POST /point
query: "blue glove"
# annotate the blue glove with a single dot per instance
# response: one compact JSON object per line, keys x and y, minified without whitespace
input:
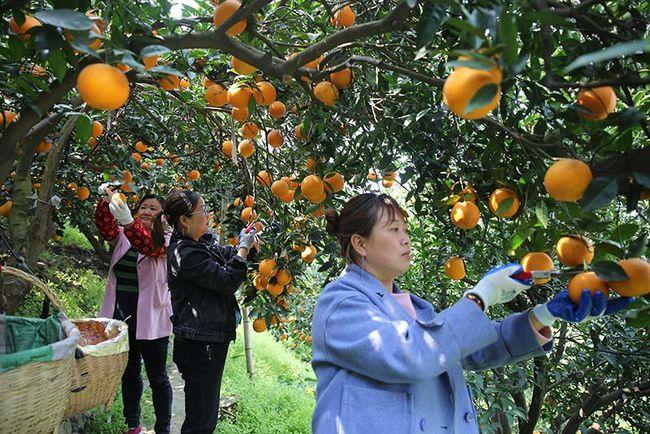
{"x":498,"y":287}
{"x":590,"y":307}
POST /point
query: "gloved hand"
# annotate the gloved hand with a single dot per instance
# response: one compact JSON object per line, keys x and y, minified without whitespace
{"x":497,"y":287}
{"x":591,"y":306}
{"x":246,"y":240}
{"x":105,"y":191}
{"x":120,"y":211}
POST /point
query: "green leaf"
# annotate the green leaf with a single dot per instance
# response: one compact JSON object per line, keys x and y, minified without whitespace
{"x":642,"y":178}
{"x":153,"y":50}
{"x":57,"y":63}
{"x":83,"y":128}
{"x":548,"y":18}
{"x":504,"y":206}
{"x":638,"y":247}
{"x":611,"y":247}
{"x":521,"y":235}
{"x":610,"y":271}
{"x":638,"y":318}
{"x":17,"y":48}
{"x":508,"y":35}
{"x":482,"y":98}
{"x":541,"y":211}
{"x":430,"y":21}
{"x":65,"y":18}
{"x":600,"y":192}
{"x":613,"y":52}
{"x":163,"y":69}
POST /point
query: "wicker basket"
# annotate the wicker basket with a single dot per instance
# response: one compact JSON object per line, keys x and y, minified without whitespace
{"x":34,"y":396}
{"x":95,"y":378}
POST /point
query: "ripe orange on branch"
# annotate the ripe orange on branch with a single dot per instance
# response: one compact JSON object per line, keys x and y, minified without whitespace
{"x":567,"y":179}
{"x":464,"y":83}
{"x":344,"y":17}
{"x":242,"y":67}
{"x":465,"y":215}
{"x":103,"y":86}
{"x":277,"y":109}
{"x":6,"y":118}
{"x":274,"y":138}
{"x":638,"y":283}
{"x":342,"y":79}
{"x":224,"y":11}
{"x":326,"y":92}
{"x":22,"y":29}
{"x":264,"y":93}
{"x":537,"y":261}
{"x":596,"y":103}
{"x":238,"y":95}
{"x":498,"y":196}
{"x":455,"y":268}
{"x":216,"y":95}
{"x":246,"y":148}
{"x":583,"y":281}
{"x":573,"y":250}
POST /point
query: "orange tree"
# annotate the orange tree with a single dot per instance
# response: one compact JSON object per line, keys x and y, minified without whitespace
{"x":274,"y":110}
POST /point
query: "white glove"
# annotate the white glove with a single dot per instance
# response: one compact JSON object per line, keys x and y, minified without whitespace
{"x":497,"y":287}
{"x":246,"y":240}
{"x":120,"y":211}
{"x":103,"y":189}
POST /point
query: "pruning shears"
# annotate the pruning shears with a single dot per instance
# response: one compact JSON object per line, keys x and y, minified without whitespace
{"x":539,"y":274}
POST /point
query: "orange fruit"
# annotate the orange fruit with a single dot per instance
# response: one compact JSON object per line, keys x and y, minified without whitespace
{"x":265,"y":93}
{"x":184,"y":83}
{"x":312,"y":187}
{"x":372,"y":175}
{"x":83,"y":193}
{"x":248,"y":214}
{"x":72,"y":186}
{"x":537,"y":261}
{"x":102,"y":86}
{"x":455,"y":268}
{"x":259,"y":325}
{"x":160,"y":162}
{"x":566,"y":180}
{"x":223,"y":11}
{"x":117,"y":197}
{"x":465,"y":215}
{"x":333,"y":182}
{"x":498,"y":196}
{"x":207,"y":82}
{"x":277,"y":109}
{"x":97,"y":129}
{"x":241,"y":67}
{"x":246,"y":148}
{"x":274,"y":138}
{"x":149,"y":62}
{"x":597,"y":103}
{"x":387,"y":183}
{"x":226,"y":148}
{"x":260,"y":282}
{"x":268,"y":268}
{"x":44,"y":146}
{"x":249,"y":200}
{"x":259,"y":227}
{"x":249,"y":130}
{"x":468,"y":193}
{"x":5,"y":208}
{"x":461,"y":86}
{"x":193,"y":175}
{"x":310,"y":163}
{"x":233,"y":240}
{"x":292,"y":183}
{"x":239,"y":114}
{"x":638,"y":283}
{"x":92,"y":142}
{"x":238,"y":95}
{"x":308,"y":254}
{"x":326,"y":92}
{"x":126,"y":176}
{"x":22,"y":29}
{"x":279,"y":188}
{"x":170,"y":82}
{"x":390,"y":176}
{"x":237,"y":201}
{"x":263,"y":178}
{"x":216,"y":95}
{"x":319,"y":212}
{"x":122,"y":67}
{"x":297,"y":131}
{"x":136,"y":157}
{"x":144,"y":166}
{"x":126,"y":187}
{"x":573,"y":250}
{"x":275,"y":289}
{"x":140,"y":146}
{"x":7,"y":117}
{"x":344,"y":17}
{"x":288,"y":197}
{"x":342,"y":79}
{"x":317,"y":199}
{"x":583,"y":281}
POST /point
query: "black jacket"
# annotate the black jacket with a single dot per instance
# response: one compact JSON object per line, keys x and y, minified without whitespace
{"x":203,"y":277}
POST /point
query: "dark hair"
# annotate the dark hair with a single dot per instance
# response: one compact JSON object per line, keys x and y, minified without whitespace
{"x":150,"y":196}
{"x":179,"y":203}
{"x":359,"y":216}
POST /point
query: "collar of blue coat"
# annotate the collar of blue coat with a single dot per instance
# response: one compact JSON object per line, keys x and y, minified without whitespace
{"x":366,"y":283}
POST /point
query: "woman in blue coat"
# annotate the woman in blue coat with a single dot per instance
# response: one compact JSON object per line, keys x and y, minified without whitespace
{"x":386,"y":361}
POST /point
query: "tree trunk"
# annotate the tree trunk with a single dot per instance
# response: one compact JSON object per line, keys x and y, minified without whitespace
{"x":97,"y":243}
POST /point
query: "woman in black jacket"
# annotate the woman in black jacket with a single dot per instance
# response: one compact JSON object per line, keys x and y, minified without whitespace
{"x":203,"y":278}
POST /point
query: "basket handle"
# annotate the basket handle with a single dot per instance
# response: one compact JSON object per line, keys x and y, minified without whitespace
{"x":30,"y":278}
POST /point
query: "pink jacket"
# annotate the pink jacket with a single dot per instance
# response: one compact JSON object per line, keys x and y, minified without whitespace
{"x":154,"y":299}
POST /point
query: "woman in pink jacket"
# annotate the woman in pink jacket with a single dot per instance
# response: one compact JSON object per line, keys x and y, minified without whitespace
{"x":136,"y":292}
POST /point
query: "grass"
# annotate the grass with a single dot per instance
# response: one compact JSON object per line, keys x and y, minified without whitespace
{"x":73,"y":237}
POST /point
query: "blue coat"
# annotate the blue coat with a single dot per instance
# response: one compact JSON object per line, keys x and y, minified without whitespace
{"x":380,"y":371}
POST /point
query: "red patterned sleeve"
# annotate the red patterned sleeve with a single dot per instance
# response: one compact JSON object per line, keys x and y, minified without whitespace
{"x":140,"y":240}
{"x":105,"y":222}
